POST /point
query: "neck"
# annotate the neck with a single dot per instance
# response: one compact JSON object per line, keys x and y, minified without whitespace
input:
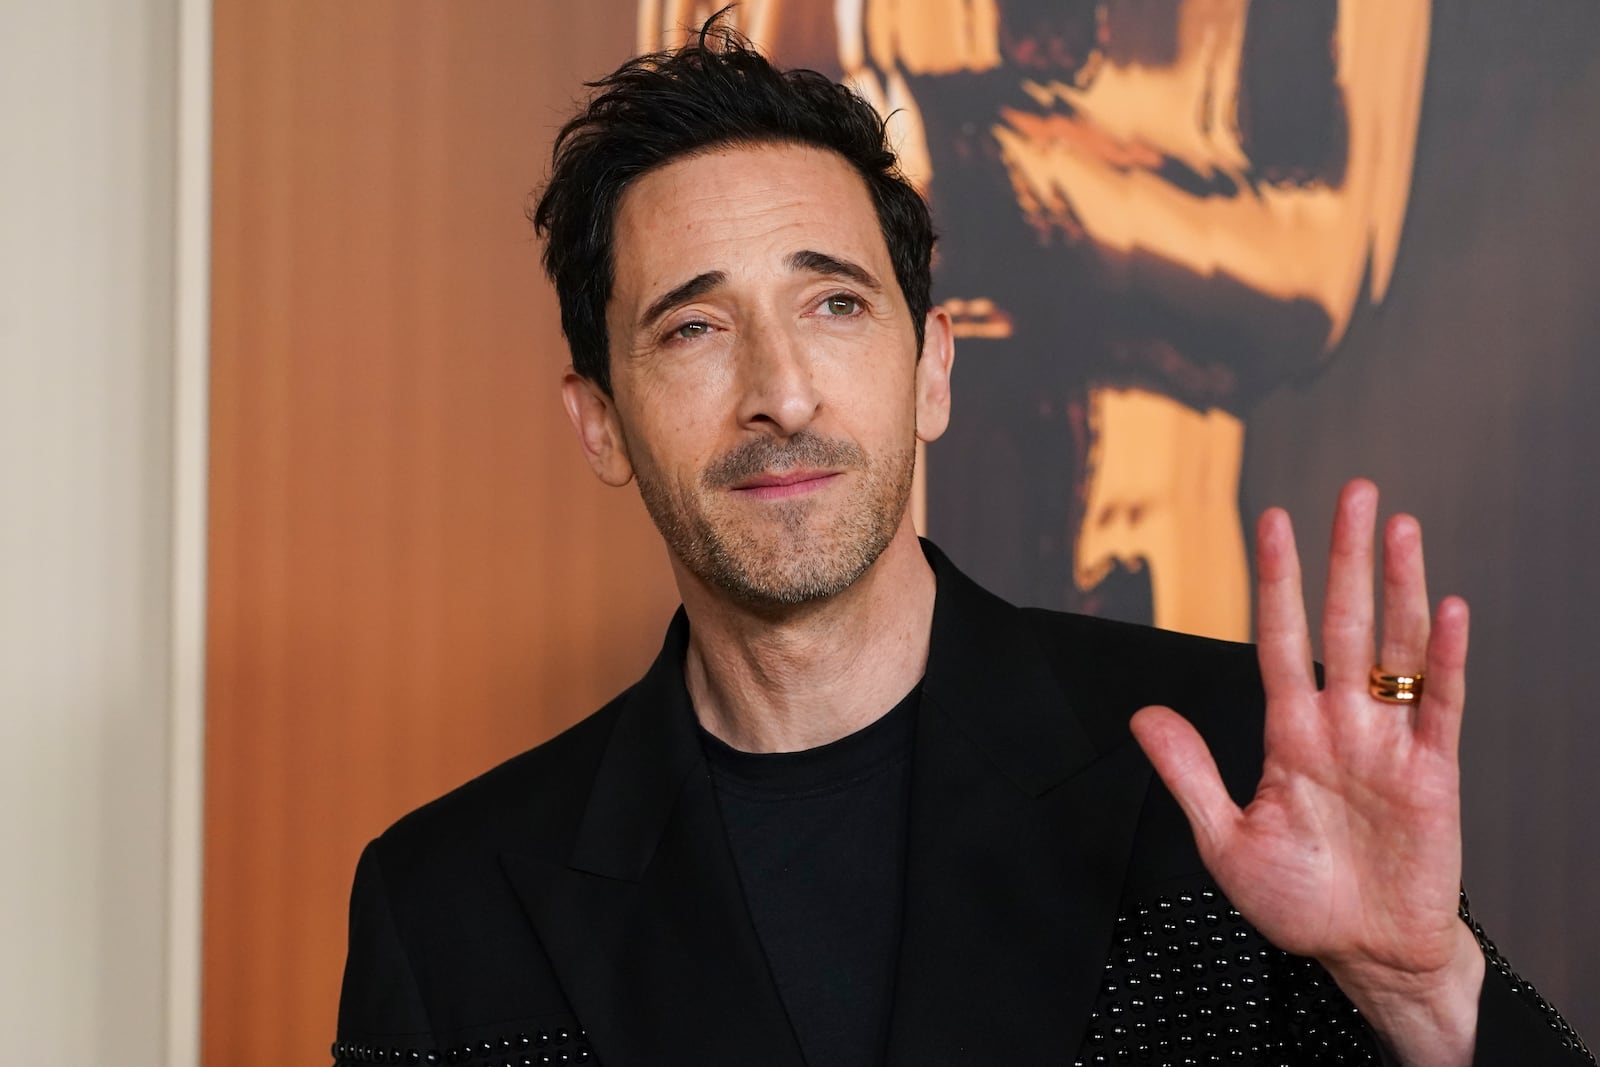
{"x":816,"y":672}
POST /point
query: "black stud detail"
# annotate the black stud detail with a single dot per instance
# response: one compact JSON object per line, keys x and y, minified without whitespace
{"x":1189,"y":981}
{"x":522,"y":1049}
{"x":1519,"y":985}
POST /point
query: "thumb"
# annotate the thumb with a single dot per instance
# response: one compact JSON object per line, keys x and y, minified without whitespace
{"x":1183,"y":761}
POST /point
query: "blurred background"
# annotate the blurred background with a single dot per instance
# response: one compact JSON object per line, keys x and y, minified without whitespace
{"x":293,"y":536}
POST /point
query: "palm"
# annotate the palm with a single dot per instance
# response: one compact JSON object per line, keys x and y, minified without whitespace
{"x":1350,"y":850}
{"x":1342,"y":815}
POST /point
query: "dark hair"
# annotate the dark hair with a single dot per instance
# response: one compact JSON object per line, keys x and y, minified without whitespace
{"x":717,"y":90}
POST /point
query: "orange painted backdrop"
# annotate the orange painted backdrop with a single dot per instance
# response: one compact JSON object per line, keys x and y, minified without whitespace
{"x":412,"y":573}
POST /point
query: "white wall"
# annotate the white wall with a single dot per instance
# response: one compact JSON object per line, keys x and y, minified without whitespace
{"x":89,"y":483}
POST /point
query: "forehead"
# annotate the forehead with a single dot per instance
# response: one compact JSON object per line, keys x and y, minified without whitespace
{"x":741,"y":209}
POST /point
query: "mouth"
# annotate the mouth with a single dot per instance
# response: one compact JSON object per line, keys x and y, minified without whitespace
{"x":776,"y":486}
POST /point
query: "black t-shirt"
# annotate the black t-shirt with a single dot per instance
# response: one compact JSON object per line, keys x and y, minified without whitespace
{"x":819,"y":840}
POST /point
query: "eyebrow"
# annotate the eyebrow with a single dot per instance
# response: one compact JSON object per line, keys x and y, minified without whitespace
{"x":822,"y":263}
{"x":691,"y":290}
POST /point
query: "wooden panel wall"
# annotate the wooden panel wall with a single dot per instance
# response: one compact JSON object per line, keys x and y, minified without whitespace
{"x":412,"y":573}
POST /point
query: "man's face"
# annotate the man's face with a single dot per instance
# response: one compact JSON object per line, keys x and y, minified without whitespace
{"x":766,"y":387}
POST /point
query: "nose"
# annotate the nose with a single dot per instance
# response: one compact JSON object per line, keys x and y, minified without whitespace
{"x":777,"y":388}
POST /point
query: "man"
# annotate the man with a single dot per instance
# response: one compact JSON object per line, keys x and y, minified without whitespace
{"x":860,"y":811}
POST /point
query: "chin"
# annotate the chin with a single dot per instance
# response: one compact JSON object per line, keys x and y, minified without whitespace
{"x":783,"y":572}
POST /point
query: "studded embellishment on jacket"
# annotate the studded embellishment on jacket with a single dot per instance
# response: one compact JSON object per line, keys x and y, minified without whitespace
{"x":1189,"y":982}
{"x":538,"y":1047}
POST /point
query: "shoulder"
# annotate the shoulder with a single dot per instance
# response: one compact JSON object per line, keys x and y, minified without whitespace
{"x":1111,"y":668}
{"x":1105,"y":670}
{"x":439,"y":942}
{"x":1095,"y":672}
{"x":1179,"y":654}
{"x":531,"y":804}
{"x":1108,"y":670}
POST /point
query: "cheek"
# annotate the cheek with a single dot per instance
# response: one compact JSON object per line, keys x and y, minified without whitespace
{"x":874,"y":390}
{"x":684,"y":387}
{"x":873,"y":352}
{"x":681,"y":410}
{"x":671,"y":447}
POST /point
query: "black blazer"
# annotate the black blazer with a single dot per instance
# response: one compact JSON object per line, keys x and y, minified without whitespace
{"x":579,"y":903}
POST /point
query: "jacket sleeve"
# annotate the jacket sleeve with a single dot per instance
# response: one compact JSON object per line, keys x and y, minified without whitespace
{"x":1515,"y":1023}
{"x":380,"y":1005}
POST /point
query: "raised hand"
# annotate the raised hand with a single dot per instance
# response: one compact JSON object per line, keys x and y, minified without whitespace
{"x":1350,"y":851}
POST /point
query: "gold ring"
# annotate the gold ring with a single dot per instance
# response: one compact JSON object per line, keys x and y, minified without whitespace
{"x":1394,"y":688}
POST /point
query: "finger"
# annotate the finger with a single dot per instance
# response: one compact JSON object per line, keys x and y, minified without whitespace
{"x":1405,"y":598}
{"x":1283,"y":638}
{"x":1444,"y":691}
{"x":1183,"y":761}
{"x":1347,"y":612}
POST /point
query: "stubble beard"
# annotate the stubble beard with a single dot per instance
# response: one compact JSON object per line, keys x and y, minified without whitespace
{"x":796,"y":555}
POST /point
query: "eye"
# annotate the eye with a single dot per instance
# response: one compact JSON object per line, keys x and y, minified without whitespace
{"x":689,"y":330}
{"x":841,"y":304}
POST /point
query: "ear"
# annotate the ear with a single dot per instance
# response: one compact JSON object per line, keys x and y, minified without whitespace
{"x":933,"y":375}
{"x":594,"y":416}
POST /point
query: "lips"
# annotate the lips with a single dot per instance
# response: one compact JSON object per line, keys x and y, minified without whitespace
{"x":787,"y":483}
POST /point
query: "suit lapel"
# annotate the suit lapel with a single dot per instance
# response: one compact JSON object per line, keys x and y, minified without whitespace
{"x":646,"y":924}
{"x":1021,"y":831}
